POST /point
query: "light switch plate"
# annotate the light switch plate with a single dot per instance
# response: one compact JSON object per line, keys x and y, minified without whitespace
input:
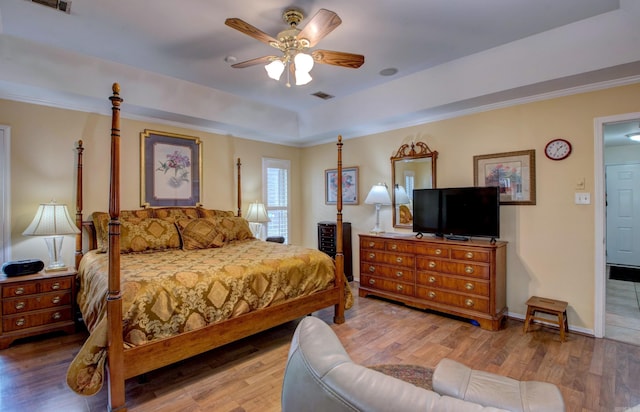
{"x":583,"y":198}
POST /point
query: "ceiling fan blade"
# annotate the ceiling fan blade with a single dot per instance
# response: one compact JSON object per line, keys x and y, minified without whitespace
{"x":250,"y":30}
{"x":323,"y":23}
{"x":253,"y":62}
{"x":337,"y":58}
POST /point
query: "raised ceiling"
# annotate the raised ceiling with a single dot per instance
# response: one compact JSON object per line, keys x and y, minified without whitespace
{"x":451,"y":56}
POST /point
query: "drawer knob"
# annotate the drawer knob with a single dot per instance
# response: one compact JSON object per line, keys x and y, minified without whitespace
{"x":469,"y":303}
{"x":20,"y":322}
{"x":372,"y":244}
{"x":399,"y":260}
{"x":372,"y":255}
{"x":432,"y":294}
{"x":432,"y":264}
{"x":55,"y":300}
{"x":438,"y":251}
{"x":372,"y":281}
{"x":469,"y":286}
{"x":468,"y":269}
{"x":372,"y":269}
{"x":432,"y":279}
{"x":394,"y":247}
{"x":399,"y":274}
{"x":469,"y":255}
{"x":55,"y":286}
{"x":56,"y":315}
{"x":19,"y":291}
{"x":20,"y":305}
{"x":400,"y":288}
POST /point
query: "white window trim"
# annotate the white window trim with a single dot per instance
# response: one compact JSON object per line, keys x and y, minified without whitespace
{"x":283,"y":164}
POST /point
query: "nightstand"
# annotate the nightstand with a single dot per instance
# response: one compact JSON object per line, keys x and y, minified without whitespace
{"x":36,"y":304}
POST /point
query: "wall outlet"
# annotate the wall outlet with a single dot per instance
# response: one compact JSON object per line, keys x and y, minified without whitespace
{"x":583,"y":198}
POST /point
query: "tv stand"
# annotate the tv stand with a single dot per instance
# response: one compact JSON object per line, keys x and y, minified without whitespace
{"x":462,"y":278}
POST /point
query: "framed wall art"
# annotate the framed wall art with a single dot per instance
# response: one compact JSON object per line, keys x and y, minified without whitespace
{"x":349,"y":186}
{"x":170,"y":169}
{"x":513,"y":172}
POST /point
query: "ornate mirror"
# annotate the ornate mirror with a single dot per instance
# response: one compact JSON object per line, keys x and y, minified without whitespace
{"x":413,"y":166}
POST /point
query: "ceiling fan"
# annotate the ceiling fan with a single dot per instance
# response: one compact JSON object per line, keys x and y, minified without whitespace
{"x":294,"y":44}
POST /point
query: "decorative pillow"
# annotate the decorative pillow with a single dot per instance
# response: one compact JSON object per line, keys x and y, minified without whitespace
{"x":214,"y":213}
{"x":172,"y":214}
{"x":201,"y":233}
{"x":148,"y":234}
{"x":101,"y":224}
{"x":234,"y":228}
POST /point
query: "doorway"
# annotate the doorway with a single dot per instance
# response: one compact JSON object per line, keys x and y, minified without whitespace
{"x":617,"y":312}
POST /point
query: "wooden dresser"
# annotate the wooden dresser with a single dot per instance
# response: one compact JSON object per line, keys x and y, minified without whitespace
{"x":36,"y":304}
{"x":462,"y":278}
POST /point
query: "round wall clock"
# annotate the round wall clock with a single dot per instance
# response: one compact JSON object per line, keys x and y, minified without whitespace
{"x":557,"y":149}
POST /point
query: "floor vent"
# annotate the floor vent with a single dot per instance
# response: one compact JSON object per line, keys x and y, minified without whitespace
{"x":63,"y":6}
{"x":322,"y":95}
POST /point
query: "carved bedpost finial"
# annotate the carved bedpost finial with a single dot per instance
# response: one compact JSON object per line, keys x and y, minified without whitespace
{"x":116,"y":88}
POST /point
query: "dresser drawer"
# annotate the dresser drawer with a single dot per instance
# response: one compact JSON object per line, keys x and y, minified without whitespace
{"x":327,"y":231}
{"x":371,"y":243}
{"x":476,"y":303}
{"x":429,"y":249}
{"x":395,"y":259}
{"x":38,"y":318}
{"x":390,"y":272}
{"x":470,"y":286}
{"x":453,"y":268}
{"x":386,"y":285}
{"x":470,"y":254}
{"x":399,"y":247}
{"x":29,"y":303}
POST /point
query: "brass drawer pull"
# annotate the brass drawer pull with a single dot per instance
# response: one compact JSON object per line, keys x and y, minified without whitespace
{"x":432,"y":279}
{"x":399,"y":274}
{"x":432,"y":264}
{"x":55,"y":286}
{"x":372,"y":255}
{"x":399,"y":260}
{"x":56,"y":316}
{"x":432,"y":294}
{"x":399,"y":288}
{"x":372,"y":244}
{"x":438,"y":251}
{"x":469,"y":303}
{"x":469,"y":286}
{"x":20,"y":322}
{"x":468,"y":269}
{"x":469,"y":255}
{"x":372,"y":281}
{"x":20,"y":305}
{"x":372,"y":269}
{"x":19,"y":291}
{"x":56,"y":300}
{"x":394,"y":247}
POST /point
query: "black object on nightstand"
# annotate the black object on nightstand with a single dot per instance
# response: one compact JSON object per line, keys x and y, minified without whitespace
{"x":276,"y":239}
{"x":327,"y":243}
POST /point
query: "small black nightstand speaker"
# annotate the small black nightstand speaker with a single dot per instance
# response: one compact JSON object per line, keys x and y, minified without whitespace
{"x":22,"y":267}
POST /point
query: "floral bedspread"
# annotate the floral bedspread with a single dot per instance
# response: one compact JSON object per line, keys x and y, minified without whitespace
{"x":169,"y":292}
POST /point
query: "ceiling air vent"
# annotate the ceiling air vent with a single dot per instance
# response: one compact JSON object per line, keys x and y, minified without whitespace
{"x":322,"y":95}
{"x":64,"y":6}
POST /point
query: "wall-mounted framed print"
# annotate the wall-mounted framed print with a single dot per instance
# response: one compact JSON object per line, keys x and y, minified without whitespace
{"x":349,"y":186}
{"x":170,"y":169}
{"x":513,"y":172}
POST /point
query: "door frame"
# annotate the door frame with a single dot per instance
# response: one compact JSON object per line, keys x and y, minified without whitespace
{"x":5,"y":192}
{"x":600,"y":263}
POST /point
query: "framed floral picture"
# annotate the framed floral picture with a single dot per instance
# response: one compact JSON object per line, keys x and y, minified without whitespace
{"x":349,"y":186}
{"x":513,"y":172}
{"x":170,"y":169}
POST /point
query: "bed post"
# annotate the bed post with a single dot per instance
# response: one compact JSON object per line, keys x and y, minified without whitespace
{"x":114,"y":297}
{"x":238,"y":164}
{"x":79,"y":149}
{"x":340,"y":279}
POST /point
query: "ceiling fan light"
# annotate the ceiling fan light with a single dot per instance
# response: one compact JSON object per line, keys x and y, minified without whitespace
{"x":304,"y":62}
{"x":634,"y":136}
{"x":302,"y":78}
{"x":275,"y":69}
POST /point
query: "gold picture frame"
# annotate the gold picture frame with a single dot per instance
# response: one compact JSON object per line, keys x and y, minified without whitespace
{"x":170,"y":169}
{"x":513,"y":172}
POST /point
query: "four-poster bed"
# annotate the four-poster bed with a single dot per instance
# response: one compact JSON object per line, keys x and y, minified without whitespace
{"x":304,"y":281}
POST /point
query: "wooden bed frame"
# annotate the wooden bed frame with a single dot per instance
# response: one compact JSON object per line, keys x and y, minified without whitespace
{"x":126,"y":363}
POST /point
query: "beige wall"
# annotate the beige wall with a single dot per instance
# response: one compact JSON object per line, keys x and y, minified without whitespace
{"x":551,"y":244}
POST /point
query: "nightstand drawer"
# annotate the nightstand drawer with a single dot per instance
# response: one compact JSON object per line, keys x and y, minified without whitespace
{"x":11,"y":306}
{"x":38,"y":318}
{"x":19,"y":289}
{"x":40,"y":286}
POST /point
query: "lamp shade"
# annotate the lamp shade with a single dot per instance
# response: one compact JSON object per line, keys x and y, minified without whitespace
{"x":275,"y":69}
{"x":634,"y":136}
{"x":51,"y":219}
{"x":304,"y":62}
{"x":402,"y":198}
{"x":257,"y":213}
{"x":378,"y":195}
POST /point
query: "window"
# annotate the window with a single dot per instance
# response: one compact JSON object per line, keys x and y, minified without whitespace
{"x":409,"y":179}
{"x":275,"y":183}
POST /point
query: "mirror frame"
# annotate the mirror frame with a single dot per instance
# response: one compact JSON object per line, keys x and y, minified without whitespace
{"x":408,"y":152}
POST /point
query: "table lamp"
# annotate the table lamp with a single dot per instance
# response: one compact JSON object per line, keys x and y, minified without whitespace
{"x":378,"y":195}
{"x":257,"y":215}
{"x":52,"y":220}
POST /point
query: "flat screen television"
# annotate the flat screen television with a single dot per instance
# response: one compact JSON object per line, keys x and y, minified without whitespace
{"x":458,"y":212}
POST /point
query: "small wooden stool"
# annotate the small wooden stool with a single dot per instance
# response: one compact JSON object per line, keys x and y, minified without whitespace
{"x":551,"y":307}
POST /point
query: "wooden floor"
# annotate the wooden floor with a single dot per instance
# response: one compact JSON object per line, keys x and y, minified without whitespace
{"x":592,"y":374}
